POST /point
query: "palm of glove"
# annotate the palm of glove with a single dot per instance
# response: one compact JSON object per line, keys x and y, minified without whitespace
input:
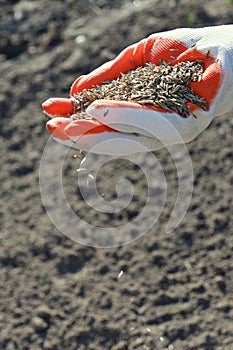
{"x":122,"y":122}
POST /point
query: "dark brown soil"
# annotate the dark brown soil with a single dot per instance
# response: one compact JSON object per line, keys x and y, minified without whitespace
{"x":176,"y":290}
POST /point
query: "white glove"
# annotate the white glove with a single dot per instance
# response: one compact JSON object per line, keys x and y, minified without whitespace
{"x":120,"y":127}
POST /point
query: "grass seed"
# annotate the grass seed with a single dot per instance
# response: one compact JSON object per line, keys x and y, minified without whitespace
{"x":163,"y":85}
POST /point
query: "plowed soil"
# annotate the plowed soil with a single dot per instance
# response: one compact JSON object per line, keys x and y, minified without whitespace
{"x":162,"y":291}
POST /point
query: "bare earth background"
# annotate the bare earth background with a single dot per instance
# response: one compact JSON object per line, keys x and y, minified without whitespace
{"x":176,"y":291}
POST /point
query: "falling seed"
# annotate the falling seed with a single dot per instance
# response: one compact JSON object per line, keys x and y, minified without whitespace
{"x":163,"y":85}
{"x":120,"y":274}
{"x":188,"y":266}
{"x":79,"y":170}
{"x":83,"y":160}
{"x":91,"y":177}
{"x":79,"y":155}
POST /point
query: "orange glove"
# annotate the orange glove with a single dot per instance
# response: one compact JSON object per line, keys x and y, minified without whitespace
{"x":121,"y":127}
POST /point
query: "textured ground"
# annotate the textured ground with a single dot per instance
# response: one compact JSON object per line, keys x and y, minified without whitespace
{"x":176,"y":290}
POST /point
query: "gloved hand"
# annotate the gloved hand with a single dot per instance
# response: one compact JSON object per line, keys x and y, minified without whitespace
{"x":123,"y":122}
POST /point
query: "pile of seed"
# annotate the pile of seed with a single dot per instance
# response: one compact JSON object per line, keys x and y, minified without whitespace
{"x":163,"y":86}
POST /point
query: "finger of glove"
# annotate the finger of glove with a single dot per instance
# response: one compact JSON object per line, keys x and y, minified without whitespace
{"x":58,"y":107}
{"x":66,"y":129}
{"x":211,"y":78}
{"x":152,"y":49}
{"x":95,"y":137}
{"x":169,"y":128}
{"x":165,"y":46}
{"x":116,"y":144}
{"x":113,"y":143}
{"x":219,"y":45}
{"x":216,"y":44}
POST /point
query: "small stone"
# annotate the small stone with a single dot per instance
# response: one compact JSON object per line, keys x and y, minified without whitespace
{"x":221,"y":133}
{"x":122,"y":345}
{"x":44,"y":312}
{"x":11,"y":346}
{"x":203,"y":302}
{"x":223,"y":306}
{"x":39,"y":324}
{"x":220,"y":283}
{"x":80,"y":39}
{"x":105,"y":303}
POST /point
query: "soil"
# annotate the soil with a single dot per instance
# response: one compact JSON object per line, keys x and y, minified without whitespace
{"x":163,"y":290}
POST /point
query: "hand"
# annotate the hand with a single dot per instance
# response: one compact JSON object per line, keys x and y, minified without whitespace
{"x":121,"y":127}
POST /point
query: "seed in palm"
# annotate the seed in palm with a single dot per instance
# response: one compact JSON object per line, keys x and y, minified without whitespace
{"x":163,"y":85}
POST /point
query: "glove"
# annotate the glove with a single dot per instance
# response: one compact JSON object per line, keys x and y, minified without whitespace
{"x":123,"y":127}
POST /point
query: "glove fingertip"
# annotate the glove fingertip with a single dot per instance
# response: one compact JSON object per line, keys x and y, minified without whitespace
{"x":58,"y":106}
{"x":56,"y":127}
